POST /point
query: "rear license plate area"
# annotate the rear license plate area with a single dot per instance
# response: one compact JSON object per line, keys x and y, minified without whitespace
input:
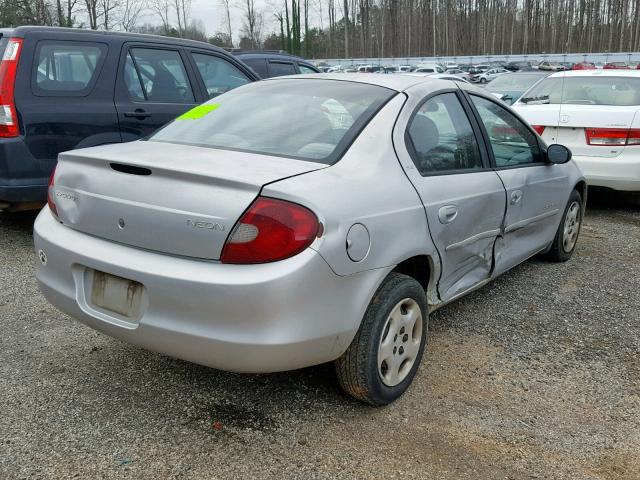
{"x":116,"y":295}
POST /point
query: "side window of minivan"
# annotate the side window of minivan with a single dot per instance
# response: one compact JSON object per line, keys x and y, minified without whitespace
{"x":278,"y":69}
{"x":157,"y":75}
{"x":66,"y":68}
{"x":442,"y":137}
{"x":218,"y":75}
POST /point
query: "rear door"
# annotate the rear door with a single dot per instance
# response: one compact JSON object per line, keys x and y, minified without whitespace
{"x":464,"y":199}
{"x":536,"y":190}
{"x":64,"y":95}
{"x":154,"y":86}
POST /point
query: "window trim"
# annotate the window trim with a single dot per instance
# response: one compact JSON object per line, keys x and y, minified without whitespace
{"x":88,"y":89}
{"x":126,"y":50}
{"x":541,"y":145}
{"x":484,"y":154}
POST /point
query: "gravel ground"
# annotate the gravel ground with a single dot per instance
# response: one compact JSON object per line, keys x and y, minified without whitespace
{"x":534,"y":376}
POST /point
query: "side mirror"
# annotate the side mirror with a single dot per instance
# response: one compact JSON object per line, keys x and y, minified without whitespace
{"x":558,"y":154}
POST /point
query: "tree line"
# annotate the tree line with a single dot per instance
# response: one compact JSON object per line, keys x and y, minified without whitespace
{"x":364,"y":28}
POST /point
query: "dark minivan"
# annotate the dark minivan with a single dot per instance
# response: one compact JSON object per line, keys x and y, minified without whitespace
{"x":62,"y":89}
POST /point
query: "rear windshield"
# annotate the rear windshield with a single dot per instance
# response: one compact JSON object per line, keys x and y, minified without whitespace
{"x":606,"y":90}
{"x":517,"y":81}
{"x":307,"y":119}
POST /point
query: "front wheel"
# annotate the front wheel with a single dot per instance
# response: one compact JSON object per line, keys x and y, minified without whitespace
{"x":385,"y":354}
{"x":564,"y":243}
{"x":483,"y":80}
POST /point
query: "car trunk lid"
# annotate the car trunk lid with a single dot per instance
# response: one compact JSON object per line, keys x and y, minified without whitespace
{"x":578,"y":122}
{"x":171,"y":198}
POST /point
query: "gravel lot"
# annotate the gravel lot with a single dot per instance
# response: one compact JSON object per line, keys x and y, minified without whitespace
{"x":534,"y":376}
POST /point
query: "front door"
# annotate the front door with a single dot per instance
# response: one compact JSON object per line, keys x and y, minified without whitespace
{"x":153,"y":88}
{"x":536,"y":189}
{"x":464,"y":199}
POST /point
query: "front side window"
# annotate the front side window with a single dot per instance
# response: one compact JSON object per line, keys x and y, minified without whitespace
{"x":279,"y":69}
{"x":305,"y":119}
{"x":67,"y":66}
{"x":218,"y":74}
{"x":512,"y":142}
{"x":161,"y":74}
{"x":442,"y":137}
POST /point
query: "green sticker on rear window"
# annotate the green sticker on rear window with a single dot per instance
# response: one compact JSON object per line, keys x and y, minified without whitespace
{"x":198,"y":112}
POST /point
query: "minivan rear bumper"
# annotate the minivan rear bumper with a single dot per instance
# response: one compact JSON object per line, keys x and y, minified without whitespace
{"x":247,"y":318}
{"x":618,"y":173}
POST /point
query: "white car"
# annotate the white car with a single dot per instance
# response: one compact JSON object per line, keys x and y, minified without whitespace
{"x":429,"y":68}
{"x":595,"y":114}
{"x":486,"y":77}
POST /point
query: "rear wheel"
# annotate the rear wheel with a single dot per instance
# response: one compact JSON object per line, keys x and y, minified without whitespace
{"x":385,"y":354}
{"x":566,"y":237}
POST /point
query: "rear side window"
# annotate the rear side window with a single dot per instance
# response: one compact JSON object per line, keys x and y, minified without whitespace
{"x":67,"y":68}
{"x":219,"y":75}
{"x":160,"y":74}
{"x":442,"y":137}
{"x":279,"y":69}
{"x":258,"y":65}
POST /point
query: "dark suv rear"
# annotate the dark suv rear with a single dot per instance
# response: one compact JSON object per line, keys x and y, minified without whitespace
{"x":62,"y":89}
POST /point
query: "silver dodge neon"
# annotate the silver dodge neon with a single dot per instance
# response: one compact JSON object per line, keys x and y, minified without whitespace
{"x":297,"y":221}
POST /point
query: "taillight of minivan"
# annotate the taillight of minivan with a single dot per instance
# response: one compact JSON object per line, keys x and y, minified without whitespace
{"x":8,"y":69}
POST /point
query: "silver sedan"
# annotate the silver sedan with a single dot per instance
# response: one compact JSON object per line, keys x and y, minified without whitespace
{"x":297,"y":221}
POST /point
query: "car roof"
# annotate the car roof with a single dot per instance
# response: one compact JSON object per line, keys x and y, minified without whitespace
{"x":398,"y":83}
{"x":22,"y":31}
{"x":597,"y":73}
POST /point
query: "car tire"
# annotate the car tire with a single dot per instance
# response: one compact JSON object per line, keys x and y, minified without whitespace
{"x":566,"y":239}
{"x":385,"y":331}
{"x":483,"y":80}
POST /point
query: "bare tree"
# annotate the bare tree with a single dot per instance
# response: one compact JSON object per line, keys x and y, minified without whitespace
{"x":253,"y":23}
{"x":129,"y":12}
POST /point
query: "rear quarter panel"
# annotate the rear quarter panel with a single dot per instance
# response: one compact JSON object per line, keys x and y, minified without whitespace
{"x":367,"y":186}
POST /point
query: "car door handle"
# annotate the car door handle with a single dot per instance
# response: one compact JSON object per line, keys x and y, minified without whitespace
{"x":516,"y":196}
{"x":447,"y":214}
{"x":138,"y":113}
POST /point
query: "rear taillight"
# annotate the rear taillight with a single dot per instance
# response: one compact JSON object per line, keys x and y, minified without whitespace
{"x":539,"y":129}
{"x":50,"y":194}
{"x":270,"y":230}
{"x":612,"y":137}
{"x":8,"y":69}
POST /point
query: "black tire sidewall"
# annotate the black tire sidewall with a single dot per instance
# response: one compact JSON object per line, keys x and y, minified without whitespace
{"x":558,"y":250}
{"x":378,"y":312}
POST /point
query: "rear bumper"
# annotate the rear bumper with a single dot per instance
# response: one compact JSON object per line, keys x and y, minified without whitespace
{"x":246,"y":318}
{"x":618,"y":173}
